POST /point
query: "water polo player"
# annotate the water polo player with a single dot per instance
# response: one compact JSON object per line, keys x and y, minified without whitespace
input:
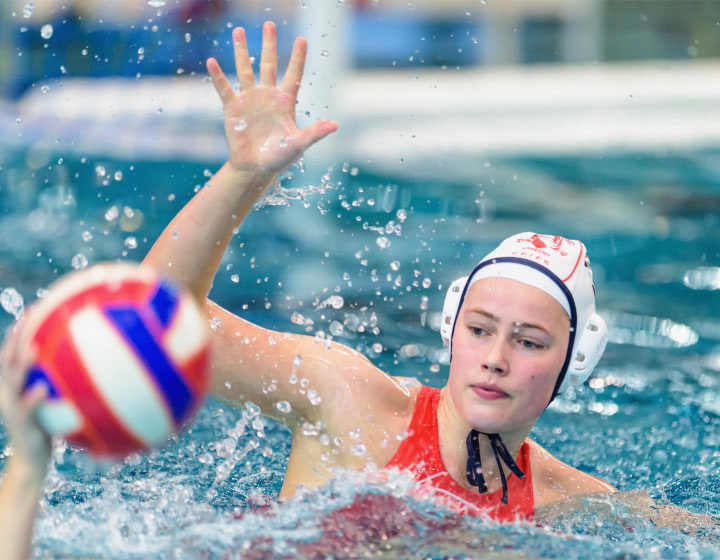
{"x":521,"y":329}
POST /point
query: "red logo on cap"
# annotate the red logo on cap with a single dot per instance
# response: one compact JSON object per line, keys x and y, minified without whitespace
{"x":553,"y":242}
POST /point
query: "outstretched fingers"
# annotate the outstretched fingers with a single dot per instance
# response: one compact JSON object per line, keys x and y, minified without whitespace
{"x":15,"y":359}
{"x":293,"y":75}
{"x":243,"y":66}
{"x":221,"y":83}
{"x":268,"y":56}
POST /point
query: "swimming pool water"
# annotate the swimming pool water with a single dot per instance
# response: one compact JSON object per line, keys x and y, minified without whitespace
{"x":364,"y":261}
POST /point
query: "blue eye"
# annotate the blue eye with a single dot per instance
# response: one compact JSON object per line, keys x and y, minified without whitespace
{"x":478,"y":331}
{"x":530,"y":345}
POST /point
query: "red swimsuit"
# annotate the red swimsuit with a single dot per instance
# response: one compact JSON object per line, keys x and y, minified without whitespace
{"x":420,"y":453}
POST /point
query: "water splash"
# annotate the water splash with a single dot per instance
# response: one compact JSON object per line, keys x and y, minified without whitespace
{"x":648,"y":331}
{"x":12,"y":301}
{"x":279,"y":195}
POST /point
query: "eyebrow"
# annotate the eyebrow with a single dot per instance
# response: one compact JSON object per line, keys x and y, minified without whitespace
{"x":518,"y":325}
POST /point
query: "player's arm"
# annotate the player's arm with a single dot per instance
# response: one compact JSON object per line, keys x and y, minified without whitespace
{"x":319,"y":379}
{"x":263,"y":140}
{"x":24,"y":471}
{"x":555,"y":481}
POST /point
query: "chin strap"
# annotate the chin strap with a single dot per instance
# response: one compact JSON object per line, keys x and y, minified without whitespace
{"x":474,"y":464}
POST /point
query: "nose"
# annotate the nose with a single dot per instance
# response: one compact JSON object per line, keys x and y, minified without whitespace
{"x":495,"y":358}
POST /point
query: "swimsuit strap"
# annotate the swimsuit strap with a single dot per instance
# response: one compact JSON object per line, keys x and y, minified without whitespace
{"x":474,"y":464}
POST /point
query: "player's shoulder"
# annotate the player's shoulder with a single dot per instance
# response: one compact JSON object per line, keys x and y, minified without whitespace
{"x":555,"y":480}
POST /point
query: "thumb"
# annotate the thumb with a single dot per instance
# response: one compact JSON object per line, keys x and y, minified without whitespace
{"x":316,"y":131}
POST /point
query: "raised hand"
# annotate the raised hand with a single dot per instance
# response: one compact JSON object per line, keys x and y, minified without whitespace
{"x":260,"y":120}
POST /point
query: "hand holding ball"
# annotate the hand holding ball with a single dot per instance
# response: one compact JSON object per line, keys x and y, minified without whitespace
{"x":125,"y":356}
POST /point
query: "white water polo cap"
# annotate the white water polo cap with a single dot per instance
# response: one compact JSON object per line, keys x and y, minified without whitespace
{"x":559,"y":267}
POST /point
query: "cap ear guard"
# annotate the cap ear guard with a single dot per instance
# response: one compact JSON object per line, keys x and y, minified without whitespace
{"x":591,"y":342}
{"x":450,"y":309}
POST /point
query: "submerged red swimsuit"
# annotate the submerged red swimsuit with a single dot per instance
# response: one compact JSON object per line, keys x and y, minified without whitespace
{"x":420,"y":453}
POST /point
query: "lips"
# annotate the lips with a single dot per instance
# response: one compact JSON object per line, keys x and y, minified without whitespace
{"x":489,"y":392}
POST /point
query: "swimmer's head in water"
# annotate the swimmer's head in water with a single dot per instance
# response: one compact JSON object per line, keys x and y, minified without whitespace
{"x":559,"y":267}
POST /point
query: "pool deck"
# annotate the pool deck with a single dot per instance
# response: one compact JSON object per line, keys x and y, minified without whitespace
{"x":398,"y":121}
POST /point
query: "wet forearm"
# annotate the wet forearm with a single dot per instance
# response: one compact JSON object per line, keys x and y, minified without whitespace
{"x":19,"y":496}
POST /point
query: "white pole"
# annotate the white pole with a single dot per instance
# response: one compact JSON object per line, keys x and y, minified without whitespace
{"x":326,"y":26}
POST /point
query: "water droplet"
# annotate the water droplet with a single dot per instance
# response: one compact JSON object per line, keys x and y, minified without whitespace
{"x":377,"y":347}
{"x":309,"y":429}
{"x":283,"y":406}
{"x":336,"y":328}
{"x":313,"y":397}
{"x":41,"y":293}
{"x":12,"y":301}
{"x":215,"y":323}
{"x":235,"y":278}
{"x":272,"y":340}
{"x":112,"y":213}
{"x":292,"y":379}
{"x":118,"y":176}
{"x":346,"y":167}
{"x":304,"y":382}
{"x":401,"y":214}
{"x":383,"y":242}
{"x":395,"y":265}
{"x":336,"y":302}
{"x":46,"y":31}
{"x":426,"y":283}
{"x":100,"y":171}
{"x":300,"y":320}
{"x":86,"y":236}
{"x":131,"y":242}
{"x":44,"y":89}
{"x":206,"y":459}
{"x":28,"y":10}
{"x":324,"y":54}
{"x":79,"y":261}
{"x":358,"y":449}
{"x":188,"y":37}
{"x":156,"y":3}
{"x":297,"y":360}
{"x":240,"y":125}
{"x":435,"y":368}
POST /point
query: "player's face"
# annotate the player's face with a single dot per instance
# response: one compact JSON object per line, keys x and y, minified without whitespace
{"x":508,"y":348}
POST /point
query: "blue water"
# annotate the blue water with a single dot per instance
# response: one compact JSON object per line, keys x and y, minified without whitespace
{"x":649,"y":420}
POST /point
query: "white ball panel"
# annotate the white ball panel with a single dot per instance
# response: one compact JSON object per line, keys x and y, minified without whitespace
{"x":187,"y":333}
{"x":120,"y":377}
{"x":59,"y":417}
